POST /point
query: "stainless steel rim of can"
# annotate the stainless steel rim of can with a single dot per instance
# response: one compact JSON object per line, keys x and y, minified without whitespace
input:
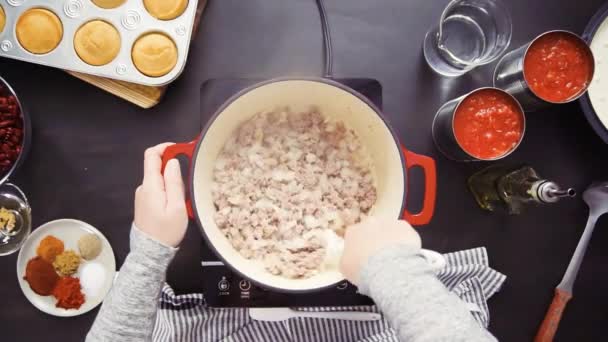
{"x":521,"y":112}
{"x":587,"y":50}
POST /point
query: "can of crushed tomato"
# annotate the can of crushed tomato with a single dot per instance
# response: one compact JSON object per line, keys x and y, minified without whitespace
{"x":484,"y":125}
{"x":555,"y":67}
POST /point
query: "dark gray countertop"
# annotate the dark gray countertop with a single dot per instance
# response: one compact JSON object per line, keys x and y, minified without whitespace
{"x":86,"y":157}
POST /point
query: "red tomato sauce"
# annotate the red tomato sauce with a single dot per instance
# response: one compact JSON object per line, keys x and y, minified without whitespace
{"x":488,"y":124}
{"x":558,"y":67}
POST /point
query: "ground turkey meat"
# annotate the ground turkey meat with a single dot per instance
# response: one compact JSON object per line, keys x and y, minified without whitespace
{"x":284,"y":178}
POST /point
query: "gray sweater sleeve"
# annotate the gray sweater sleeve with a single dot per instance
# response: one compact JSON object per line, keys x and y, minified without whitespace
{"x":414,"y":301}
{"x":128,"y":312}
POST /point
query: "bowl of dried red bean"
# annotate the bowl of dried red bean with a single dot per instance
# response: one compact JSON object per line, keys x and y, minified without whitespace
{"x":14,"y":131}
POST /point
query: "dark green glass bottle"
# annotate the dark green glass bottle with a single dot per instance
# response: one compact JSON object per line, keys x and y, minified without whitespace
{"x":511,"y":188}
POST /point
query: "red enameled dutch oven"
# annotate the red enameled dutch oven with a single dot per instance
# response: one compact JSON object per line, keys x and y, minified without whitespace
{"x":391,"y":162}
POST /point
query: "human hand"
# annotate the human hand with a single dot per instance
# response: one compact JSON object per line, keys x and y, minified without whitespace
{"x":369,"y":237}
{"x":160,"y":206}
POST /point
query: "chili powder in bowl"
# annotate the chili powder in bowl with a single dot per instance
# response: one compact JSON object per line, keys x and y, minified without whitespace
{"x":41,"y":276}
{"x":558,"y":66}
{"x":488,"y":124}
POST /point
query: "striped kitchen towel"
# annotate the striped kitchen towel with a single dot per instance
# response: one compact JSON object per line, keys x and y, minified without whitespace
{"x":186,"y":318}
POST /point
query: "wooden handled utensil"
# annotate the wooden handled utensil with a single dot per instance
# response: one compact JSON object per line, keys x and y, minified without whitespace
{"x":596,"y":198}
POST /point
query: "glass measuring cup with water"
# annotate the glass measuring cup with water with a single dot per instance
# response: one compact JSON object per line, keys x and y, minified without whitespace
{"x":470,"y":33}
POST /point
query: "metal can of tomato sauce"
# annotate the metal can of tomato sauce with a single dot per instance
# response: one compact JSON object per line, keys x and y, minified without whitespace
{"x":484,"y":125}
{"x":555,"y":67}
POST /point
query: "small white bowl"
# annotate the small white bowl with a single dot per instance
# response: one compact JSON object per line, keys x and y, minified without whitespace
{"x":69,"y":231}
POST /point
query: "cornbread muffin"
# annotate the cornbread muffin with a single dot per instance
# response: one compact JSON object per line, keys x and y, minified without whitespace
{"x":108,"y":3}
{"x":154,"y":54}
{"x":97,"y":42}
{"x":39,"y":30}
{"x":166,"y":9}
{"x":2,"y":19}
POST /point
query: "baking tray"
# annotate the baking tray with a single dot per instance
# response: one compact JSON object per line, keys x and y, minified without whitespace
{"x":131,"y":19}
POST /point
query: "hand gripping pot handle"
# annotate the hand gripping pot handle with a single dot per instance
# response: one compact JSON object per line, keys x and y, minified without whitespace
{"x":411,"y":160}
{"x":430,"y":187}
{"x":185,"y":149}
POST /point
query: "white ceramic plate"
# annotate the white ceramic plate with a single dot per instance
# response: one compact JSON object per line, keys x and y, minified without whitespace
{"x":69,"y":231}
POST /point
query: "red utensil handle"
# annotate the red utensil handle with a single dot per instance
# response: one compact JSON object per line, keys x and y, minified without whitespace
{"x":186,"y":149}
{"x":430,"y":187}
{"x":548,"y":328}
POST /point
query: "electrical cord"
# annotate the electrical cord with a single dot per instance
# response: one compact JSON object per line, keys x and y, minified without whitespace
{"x":329,"y":58}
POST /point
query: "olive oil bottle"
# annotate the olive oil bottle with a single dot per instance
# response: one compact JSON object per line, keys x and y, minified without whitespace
{"x":511,"y":188}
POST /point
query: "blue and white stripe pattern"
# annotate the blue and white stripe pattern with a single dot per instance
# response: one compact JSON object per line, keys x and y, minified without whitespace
{"x":186,"y":318}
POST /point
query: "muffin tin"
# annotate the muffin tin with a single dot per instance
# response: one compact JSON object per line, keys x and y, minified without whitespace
{"x":131,"y":19}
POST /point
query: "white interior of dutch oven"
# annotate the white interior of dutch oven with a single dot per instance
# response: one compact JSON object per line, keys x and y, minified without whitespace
{"x":335,"y":104}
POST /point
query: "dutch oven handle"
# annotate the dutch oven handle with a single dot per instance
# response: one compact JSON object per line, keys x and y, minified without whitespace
{"x":430,"y":187}
{"x":186,"y":149}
